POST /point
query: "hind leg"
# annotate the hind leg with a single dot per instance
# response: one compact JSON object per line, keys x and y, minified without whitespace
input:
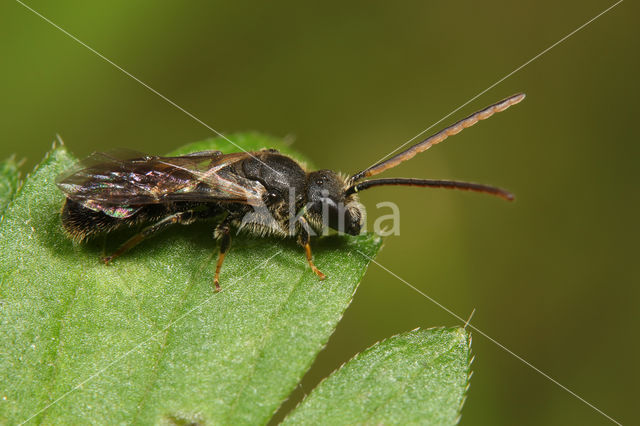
{"x":184,"y":218}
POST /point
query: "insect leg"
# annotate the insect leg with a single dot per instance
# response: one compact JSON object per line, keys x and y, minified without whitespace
{"x":223,"y":232}
{"x":185,"y":218}
{"x":303,"y":240}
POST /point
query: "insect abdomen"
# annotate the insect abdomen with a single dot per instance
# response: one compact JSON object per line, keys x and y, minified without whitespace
{"x":81,"y":222}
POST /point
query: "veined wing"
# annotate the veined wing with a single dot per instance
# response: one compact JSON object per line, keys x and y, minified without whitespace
{"x":124,"y":178}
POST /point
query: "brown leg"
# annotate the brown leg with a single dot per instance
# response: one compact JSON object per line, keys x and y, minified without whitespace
{"x":182,"y":217}
{"x":223,"y":231}
{"x":307,"y":249}
{"x":304,"y":242}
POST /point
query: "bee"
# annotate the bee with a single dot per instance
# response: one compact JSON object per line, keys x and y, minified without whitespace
{"x":262,"y":192}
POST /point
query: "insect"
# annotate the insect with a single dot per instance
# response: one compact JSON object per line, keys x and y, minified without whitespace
{"x":261,"y":192}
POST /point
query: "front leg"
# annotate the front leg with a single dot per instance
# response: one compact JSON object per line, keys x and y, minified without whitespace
{"x":303,"y":240}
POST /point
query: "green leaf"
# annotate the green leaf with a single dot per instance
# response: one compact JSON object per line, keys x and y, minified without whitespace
{"x":9,"y":181}
{"x":145,"y":340}
{"x":419,"y":377}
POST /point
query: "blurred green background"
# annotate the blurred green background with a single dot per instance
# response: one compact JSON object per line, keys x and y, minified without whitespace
{"x":553,"y":276}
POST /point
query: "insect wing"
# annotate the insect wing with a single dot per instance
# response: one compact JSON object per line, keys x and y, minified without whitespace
{"x":212,"y":178}
{"x":117,"y":157}
{"x":104,"y":181}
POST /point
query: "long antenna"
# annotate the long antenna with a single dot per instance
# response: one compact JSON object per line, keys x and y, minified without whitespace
{"x":438,"y":137}
{"x":449,"y":184}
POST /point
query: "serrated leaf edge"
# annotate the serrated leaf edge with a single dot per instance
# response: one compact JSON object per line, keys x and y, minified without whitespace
{"x":468,"y":382}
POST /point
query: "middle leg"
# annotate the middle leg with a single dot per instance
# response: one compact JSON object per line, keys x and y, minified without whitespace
{"x":223,"y":233}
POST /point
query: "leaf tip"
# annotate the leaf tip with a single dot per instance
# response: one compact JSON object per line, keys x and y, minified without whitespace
{"x":57,"y":142}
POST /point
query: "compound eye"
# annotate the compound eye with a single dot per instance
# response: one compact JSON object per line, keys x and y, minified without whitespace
{"x":272,"y":196}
